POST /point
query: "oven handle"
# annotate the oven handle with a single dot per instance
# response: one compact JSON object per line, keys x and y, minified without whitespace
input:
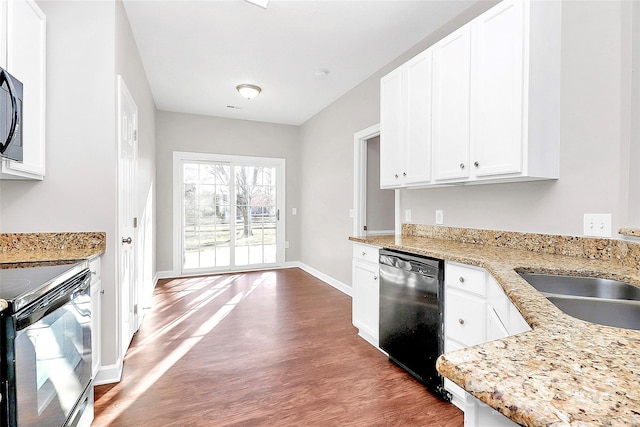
{"x":52,"y":301}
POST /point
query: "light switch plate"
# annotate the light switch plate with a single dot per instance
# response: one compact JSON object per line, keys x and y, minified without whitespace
{"x":407,"y":215}
{"x":439,"y":217}
{"x":597,"y":225}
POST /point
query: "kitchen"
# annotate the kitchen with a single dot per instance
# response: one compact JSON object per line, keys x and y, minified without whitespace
{"x":89,"y":43}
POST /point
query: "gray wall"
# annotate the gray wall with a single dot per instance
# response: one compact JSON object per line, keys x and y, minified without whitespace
{"x":380,"y":203}
{"x":87,"y":44}
{"x":595,"y":172}
{"x":203,"y":134}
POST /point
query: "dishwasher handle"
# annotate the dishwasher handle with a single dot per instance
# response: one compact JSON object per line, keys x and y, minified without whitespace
{"x":424,"y":266}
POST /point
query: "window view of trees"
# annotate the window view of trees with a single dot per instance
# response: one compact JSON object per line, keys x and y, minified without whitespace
{"x":211,"y":236}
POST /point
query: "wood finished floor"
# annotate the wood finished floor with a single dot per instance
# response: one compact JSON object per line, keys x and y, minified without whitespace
{"x":270,"y":348}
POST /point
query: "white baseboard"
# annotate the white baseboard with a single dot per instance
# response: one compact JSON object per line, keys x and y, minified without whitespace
{"x":109,"y":374}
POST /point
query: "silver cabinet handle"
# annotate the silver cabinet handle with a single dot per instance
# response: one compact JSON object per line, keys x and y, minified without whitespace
{"x":461,"y":165}
{"x":461,"y":279}
{"x":127,"y":240}
{"x":461,"y":321}
{"x":476,"y":164}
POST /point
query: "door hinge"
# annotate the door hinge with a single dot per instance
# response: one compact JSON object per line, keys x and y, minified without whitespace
{"x":135,"y":309}
{"x":278,"y":215}
{"x":365,"y":228}
{"x":135,"y":135}
{"x":135,"y":222}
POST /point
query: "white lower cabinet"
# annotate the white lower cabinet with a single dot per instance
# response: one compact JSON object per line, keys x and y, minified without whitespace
{"x":366,"y":291}
{"x":476,"y":311}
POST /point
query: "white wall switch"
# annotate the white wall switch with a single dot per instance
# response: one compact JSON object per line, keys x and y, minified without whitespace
{"x":286,"y":244}
{"x":351,"y":213}
{"x":597,"y":225}
{"x":407,"y":215}
{"x":294,"y":211}
{"x":439,"y":217}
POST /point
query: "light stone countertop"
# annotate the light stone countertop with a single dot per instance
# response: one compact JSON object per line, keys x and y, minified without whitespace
{"x":564,"y":372}
{"x":19,"y":250}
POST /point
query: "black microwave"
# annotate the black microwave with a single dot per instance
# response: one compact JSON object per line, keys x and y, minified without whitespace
{"x":10,"y":116}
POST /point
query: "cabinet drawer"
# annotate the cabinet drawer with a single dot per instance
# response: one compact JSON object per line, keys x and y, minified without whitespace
{"x":366,"y":252}
{"x":465,"y":318}
{"x":466,"y":278}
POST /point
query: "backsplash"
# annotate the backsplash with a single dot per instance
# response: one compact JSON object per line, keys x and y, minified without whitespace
{"x":617,"y":251}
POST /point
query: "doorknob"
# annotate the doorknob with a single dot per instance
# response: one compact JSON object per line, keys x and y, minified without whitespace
{"x":127,"y":240}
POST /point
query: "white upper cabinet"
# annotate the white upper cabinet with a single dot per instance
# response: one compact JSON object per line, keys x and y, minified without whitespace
{"x":495,"y":100}
{"x":23,"y":51}
{"x":405,"y":124}
{"x":452,"y":62}
{"x":498,"y":86}
{"x":391,"y":131}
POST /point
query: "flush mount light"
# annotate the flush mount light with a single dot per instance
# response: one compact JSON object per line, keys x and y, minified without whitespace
{"x":261,"y":3}
{"x":248,"y":91}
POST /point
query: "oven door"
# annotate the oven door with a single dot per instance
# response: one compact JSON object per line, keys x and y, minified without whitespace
{"x":52,"y":353}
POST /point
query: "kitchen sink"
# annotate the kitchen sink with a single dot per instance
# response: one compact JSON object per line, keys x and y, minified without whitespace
{"x":604,"y":301}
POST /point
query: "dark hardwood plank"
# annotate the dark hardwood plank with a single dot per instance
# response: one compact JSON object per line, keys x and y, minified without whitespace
{"x":269,"y":348}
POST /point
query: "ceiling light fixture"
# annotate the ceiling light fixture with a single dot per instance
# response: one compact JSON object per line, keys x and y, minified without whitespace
{"x":249,"y":91}
{"x":261,"y":3}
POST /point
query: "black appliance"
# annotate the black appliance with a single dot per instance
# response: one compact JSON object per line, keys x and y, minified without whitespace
{"x":411,"y":315}
{"x":10,"y":116}
{"x":46,"y":345}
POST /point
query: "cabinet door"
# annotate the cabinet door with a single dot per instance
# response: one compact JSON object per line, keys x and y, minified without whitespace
{"x":497,"y":90}
{"x":418,"y":73}
{"x":451,"y":85}
{"x":391,"y":130}
{"x":366,"y":291}
{"x":465,"y":318}
{"x":26,"y":42}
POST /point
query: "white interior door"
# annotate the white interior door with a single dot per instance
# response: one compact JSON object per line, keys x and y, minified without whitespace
{"x":127,"y":161}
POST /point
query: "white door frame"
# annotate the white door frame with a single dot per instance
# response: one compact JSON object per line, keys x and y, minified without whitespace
{"x":360,"y":181}
{"x":127,"y":299}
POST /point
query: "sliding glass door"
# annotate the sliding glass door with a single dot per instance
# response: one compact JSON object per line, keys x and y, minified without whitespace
{"x":229,"y":212}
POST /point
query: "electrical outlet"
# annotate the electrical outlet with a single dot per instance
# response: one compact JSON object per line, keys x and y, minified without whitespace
{"x":439,"y":217}
{"x":407,"y":215}
{"x":294,"y":211}
{"x":597,"y":225}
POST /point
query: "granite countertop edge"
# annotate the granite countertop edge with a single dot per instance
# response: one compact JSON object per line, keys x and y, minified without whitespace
{"x":564,"y":372}
{"x":19,"y":250}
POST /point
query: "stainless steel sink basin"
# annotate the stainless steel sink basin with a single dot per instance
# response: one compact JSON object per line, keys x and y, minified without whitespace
{"x":603,"y":301}
{"x":582,"y":286}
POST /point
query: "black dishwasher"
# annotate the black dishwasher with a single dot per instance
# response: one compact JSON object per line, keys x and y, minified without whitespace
{"x":411,"y":315}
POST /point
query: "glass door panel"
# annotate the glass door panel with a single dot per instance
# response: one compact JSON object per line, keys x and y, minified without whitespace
{"x":230,"y":215}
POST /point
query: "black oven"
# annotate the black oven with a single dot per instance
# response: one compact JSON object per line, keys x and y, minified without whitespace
{"x":46,"y":360}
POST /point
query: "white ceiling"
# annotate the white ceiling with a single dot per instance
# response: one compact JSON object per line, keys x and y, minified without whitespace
{"x":196,"y":52}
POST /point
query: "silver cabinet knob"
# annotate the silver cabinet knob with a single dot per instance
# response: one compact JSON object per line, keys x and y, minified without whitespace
{"x":461,"y":165}
{"x":396,"y":176}
{"x":127,"y":240}
{"x":364,"y":253}
{"x":375,"y":277}
{"x":476,"y":164}
{"x":101,"y":291}
{"x":461,"y":321}
{"x":404,"y":174}
{"x":461,"y":279}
